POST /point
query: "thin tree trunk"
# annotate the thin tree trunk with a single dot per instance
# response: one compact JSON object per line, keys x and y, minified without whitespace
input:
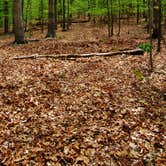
{"x":159,"y":27}
{"x":68,"y":14}
{"x":64,"y":16}
{"x":27,"y":12}
{"x":109,"y":18}
{"x":89,"y":15}
{"x":56,"y":16}
{"x":151,"y":28}
{"x":6,"y":18}
{"x":18,"y":22}
{"x":119,"y":14}
{"x":138,"y":14}
{"x":156,"y":18}
{"x":41,"y":15}
{"x":51,"y":19}
{"x":112,"y":19}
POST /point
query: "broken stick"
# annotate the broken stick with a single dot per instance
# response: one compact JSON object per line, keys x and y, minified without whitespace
{"x":73,"y":56}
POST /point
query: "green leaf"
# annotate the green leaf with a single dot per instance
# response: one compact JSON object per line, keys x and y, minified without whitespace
{"x":146,"y":47}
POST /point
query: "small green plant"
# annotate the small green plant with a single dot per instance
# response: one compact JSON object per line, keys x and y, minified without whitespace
{"x":146,"y":47}
{"x":138,"y":74}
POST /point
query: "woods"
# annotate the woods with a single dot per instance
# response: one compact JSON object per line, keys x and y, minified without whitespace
{"x":63,"y":11}
{"x":82,"y":82}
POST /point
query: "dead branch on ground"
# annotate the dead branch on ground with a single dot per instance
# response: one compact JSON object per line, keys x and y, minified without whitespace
{"x":74,"y":56}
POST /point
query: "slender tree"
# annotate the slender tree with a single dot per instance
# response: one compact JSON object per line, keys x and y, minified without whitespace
{"x":112,"y":19}
{"x":6,"y":17}
{"x":155,"y":24}
{"x":41,"y":15}
{"x":64,"y":15}
{"x":138,"y":11}
{"x":151,"y":15}
{"x":51,"y":19}
{"x":68,"y":14}
{"x":18,"y":22}
{"x":109,"y":19}
{"x":56,"y":15}
{"x":119,"y":15}
{"x":27,"y":13}
{"x":159,"y":27}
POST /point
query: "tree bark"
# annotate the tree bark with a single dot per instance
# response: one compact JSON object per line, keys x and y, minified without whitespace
{"x":156,"y":13}
{"x":109,"y":19}
{"x":64,"y":16}
{"x":56,"y":15}
{"x":51,"y":19}
{"x":6,"y":18}
{"x":159,"y":28}
{"x":18,"y":22}
{"x":41,"y":15}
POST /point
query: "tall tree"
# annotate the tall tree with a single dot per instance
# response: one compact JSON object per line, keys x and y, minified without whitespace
{"x":109,"y":18}
{"x":51,"y":19}
{"x":41,"y":15}
{"x":138,"y":11}
{"x":27,"y":13}
{"x":119,"y":15}
{"x":112,"y":19}
{"x":151,"y":16}
{"x":64,"y":15}
{"x":56,"y":15}
{"x":156,"y":14}
{"x":18,"y":22}
{"x":6,"y":17}
{"x":159,"y":27}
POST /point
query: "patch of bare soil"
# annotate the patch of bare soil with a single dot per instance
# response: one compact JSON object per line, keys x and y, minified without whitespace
{"x":93,"y":111}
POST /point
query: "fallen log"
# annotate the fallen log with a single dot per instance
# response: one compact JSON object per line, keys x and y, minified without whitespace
{"x":74,"y":56}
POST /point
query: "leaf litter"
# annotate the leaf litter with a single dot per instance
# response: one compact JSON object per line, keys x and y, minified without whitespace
{"x":93,"y":111}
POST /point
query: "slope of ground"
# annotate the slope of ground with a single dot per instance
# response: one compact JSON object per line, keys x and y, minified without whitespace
{"x":93,"y":111}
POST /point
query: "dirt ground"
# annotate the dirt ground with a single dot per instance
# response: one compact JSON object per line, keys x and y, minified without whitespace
{"x":88,"y":111}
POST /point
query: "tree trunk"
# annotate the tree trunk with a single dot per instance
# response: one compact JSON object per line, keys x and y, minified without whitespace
{"x":18,"y":22}
{"x":151,"y":15}
{"x":68,"y":15}
{"x":159,"y":27}
{"x":138,"y":14}
{"x":27,"y":13}
{"x":56,"y":15}
{"x":155,"y":33}
{"x":109,"y":19}
{"x":6,"y":18}
{"x":51,"y":19}
{"x":41,"y":15}
{"x":112,"y":19}
{"x":64,"y":16}
{"x":119,"y":15}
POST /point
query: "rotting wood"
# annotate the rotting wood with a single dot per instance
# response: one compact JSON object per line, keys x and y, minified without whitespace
{"x":74,"y":56}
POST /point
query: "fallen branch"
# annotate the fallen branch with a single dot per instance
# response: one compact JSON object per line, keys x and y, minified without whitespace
{"x":73,"y":56}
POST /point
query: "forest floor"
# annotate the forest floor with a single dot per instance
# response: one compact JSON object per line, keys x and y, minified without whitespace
{"x":86,"y":111}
